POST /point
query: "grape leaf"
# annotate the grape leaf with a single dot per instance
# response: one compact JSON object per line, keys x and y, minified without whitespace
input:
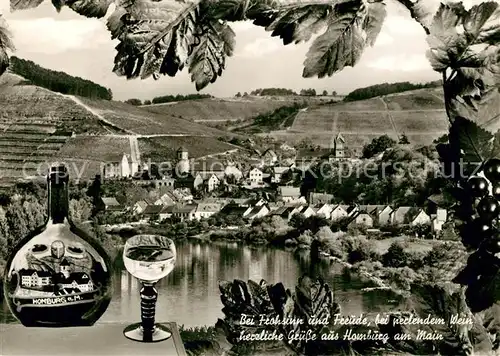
{"x":341,"y":45}
{"x":446,"y":43}
{"x":422,"y":11}
{"x":5,"y":45}
{"x":24,"y":4}
{"x":474,"y":141}
{"x":87,"y":8}
{"x":295,"y":23}
{"x":208,"y":59}
{"x":442,"y":301}
{"x":374,"y":20}
{"x":162,"y":37}
{"x":482,"y":24}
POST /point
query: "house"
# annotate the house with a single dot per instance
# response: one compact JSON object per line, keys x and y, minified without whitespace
{"x":232,"y":173}
{"x":284,"y":212}
{"x":398,"y":215}
{"x":409,"y":215}
{"x":290,"y":195}
{"x":352,"y":210}
{"x":305,"y":210}
{"x":152,"y":211}
{"x":384,"y":216}
{"x":277,"y":173}
{"x":139,"y":206}
{"x":434,"y":202}
{"x":233,"y":210}
{"x":438,"y":220}
{"x":323,"y":210}
{"x":111,"y":204}
{"x":417,"y":216}
{"x":205,"y":210}
{"x":361,"y":218}
{"x":31,"y":278}
{"x":257,"y":212}
{"x":184,"y":211}
{"x":182,"y":195}
{"x":255,"y":176}
{"x":338,"y":212}
{"x":206,"y":180}
{"x":166,"y":212}
{"x":168,"y":198}
{"x":319,"y":198}
{"x":373,"y":210}
{"x":78,"y":280}
{"x":269,"y":158}
{"x":123,"y":167}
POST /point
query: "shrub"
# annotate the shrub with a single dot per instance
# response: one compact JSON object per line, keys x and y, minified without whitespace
{"x":396,"y":256}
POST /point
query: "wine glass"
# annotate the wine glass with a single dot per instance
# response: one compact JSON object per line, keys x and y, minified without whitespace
{"x":148,"y":258}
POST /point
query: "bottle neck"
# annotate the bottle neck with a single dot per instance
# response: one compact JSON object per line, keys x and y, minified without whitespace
{"x":58,"y":202}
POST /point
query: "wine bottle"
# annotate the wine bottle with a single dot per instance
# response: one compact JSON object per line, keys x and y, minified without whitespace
{"x":58,"y":276}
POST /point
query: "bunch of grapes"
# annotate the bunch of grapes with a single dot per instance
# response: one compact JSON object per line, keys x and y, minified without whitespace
{"x":481,"y":232}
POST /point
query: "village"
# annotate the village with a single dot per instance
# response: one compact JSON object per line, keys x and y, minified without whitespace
{"x":191,"y":190}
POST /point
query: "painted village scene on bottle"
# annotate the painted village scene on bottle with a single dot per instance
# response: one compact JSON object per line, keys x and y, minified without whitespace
{"x":249,"y":177}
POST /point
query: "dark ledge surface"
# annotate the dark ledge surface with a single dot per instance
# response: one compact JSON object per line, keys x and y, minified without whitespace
{"x":102,"y":339}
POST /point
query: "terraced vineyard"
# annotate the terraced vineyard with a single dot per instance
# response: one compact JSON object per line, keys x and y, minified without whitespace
{"x":418,"y":114}
{"x":26,"y":154}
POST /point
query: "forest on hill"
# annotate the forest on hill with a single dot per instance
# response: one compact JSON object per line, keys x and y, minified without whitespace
{"x":388,"y":88}
{"x":58,"y":81}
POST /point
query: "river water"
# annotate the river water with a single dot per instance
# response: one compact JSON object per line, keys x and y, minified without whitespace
{"x":190,"y":294}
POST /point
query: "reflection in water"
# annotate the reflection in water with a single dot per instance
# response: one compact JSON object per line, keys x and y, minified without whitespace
{"x":190,"y":294}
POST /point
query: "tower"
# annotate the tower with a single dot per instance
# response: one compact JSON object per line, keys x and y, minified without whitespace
{"x":337,"y":145}
{"x":183,"y":165}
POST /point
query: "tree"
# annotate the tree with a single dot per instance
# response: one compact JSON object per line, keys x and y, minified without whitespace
{"x":238,"y":95}
{"x":147,"y":102}
{"x":334,"y":93}
{"x":403,"y":140}
{"x":325,"y":93}
{"x":135,"y":102}
{"x":378,"y":145}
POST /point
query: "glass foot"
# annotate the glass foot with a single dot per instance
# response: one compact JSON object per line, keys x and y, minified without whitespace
{"x":136,"y":333}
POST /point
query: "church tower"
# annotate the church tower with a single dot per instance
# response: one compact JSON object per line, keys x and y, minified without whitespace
{"x":337,"y":145}
{"x":183,"y":165}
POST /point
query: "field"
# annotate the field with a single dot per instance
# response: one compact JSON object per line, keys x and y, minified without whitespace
{"x":96,"y":148}
{"x":317,"y":122}
{"x":417,"y":122}
{"x":418,"y":114}
{"x":160,"y":149}
{"x":415,"y":101}
{"x":215,"y":110}
{"x":140,"y":121}
{"x":353,"y":122}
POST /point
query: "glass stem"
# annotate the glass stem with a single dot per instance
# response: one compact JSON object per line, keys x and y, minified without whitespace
{"x":149,"y":295}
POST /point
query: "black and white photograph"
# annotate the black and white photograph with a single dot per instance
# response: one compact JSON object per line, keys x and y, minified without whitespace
{"x":249,"y":177}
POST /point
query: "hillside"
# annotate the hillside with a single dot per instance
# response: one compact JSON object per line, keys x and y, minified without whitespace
{"x":419,"y":114}
{"x":39,"y":126}
{"x":215,"y":110}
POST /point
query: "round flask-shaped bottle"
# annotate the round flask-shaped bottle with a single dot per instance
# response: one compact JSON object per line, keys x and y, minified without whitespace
{"x":59,"y":275}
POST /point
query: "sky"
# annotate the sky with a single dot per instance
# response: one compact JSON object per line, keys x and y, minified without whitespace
{"x":79,"y":46}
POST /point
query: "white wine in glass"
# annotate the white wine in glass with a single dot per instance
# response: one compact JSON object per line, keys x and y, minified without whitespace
{"x":148,"y":258}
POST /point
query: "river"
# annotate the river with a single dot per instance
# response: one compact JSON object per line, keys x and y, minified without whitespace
{"x":190,"y":294}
